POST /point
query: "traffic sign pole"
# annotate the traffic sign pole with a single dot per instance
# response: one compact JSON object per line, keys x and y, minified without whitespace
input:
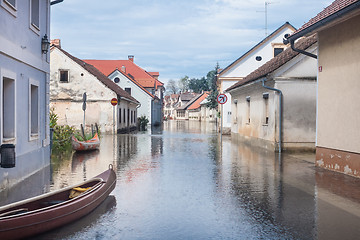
{"x":114,"y":102}
{"x":221,"y":99}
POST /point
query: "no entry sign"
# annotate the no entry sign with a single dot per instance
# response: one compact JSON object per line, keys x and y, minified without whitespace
{"x":221,"y":98}
{"x":114,"y":102}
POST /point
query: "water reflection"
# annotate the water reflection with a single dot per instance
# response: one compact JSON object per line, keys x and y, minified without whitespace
{"x":181,"y":182}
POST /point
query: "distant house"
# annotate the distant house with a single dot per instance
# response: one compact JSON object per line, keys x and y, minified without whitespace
{"x":275,"y":106}
{"x":170,"y":102}
{"x":70,"y":78}
{"x":194,"y":109}
{"x":151,"y":107}
{"x":184,"y":100}
{"x":338,"y":116}
{"x":24,"y":88}
{"x":265,"y":50}
{"x":207,"y":114}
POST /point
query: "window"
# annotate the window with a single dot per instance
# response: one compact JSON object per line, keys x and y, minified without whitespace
{"x":116,"y":80}
{"x":128,"y":90}
{"x":277,"y":51}
{"x":64,"y":76}
{"x":119,"y":115}
{"x":10,"y":6}
{"x":35,"y":14}
{"x":248,"y":109}
{"x":266,"y":108}
{"x":8,"y":108}
{"x":34,"y":108}
{"x":12,"y":3}
{"x":124,"y":115}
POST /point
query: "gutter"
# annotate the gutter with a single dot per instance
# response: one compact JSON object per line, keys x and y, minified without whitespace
{"x":292,"y":43}
{"x":56,"y":2}
{"x":280,"y":110}
{"x":321,"y":23}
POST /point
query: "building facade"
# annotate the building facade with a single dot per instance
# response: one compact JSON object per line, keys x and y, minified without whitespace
{"x":70,"y":78}
{"x":338,"y":117}
{"x":24,"y":88}
{"x":274,"y":107}
{"x":150,"y":107}
{"x":244,"y":65}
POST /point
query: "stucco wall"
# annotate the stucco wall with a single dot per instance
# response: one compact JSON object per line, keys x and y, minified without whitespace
{"x":246,"y":66}
{"x":22,"y":61}
{"x":139,"y":94}
{"x":67,"y":97}
{"x":299,"y":114}
{"x":338,"y":90}
{"x":299,"y":111}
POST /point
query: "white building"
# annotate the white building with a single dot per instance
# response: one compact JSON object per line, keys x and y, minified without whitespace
{"x":70,"y":78}
{"x":251,"y":60}
{"x":274,"y":107}
{"x":152,"y":106}
{"x":24,"y":88}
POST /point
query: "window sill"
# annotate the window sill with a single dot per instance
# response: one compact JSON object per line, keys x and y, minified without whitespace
{"x":9,"y":140}
{"x":33,"y":136}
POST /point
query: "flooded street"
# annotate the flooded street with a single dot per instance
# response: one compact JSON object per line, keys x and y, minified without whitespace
{"x":179,"y":182}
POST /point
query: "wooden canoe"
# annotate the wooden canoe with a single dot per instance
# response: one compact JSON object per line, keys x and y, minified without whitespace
{"x":91,"y":144}
{"x":51,"y":210}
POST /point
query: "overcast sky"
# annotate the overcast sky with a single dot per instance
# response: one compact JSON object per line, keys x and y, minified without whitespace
{"x":173,"y":37}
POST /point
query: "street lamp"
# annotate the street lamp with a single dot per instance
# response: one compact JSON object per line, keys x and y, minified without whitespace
{"x":45,"y":44}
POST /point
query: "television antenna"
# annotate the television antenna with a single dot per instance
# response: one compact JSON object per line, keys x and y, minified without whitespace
{"x":267,"y":3}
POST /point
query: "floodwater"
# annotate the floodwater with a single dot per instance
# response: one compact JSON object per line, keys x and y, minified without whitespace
{"x":181,"y":182}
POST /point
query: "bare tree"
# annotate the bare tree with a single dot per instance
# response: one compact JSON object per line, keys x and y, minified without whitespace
{"x":172,"y":87}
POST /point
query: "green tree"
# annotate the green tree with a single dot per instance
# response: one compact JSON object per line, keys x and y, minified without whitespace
{"x":212,"y":82}
{"x":198,"y":85}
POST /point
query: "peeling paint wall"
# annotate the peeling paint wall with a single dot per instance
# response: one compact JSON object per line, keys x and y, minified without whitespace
{"x":338,"y":136}
{"x":67,"y":97}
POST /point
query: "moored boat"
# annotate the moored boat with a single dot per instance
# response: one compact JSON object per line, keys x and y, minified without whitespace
{"x":51,"y":210}
{"x":91,"y":144}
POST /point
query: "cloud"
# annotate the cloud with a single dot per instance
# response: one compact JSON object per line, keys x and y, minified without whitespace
{"x":176,"y":38}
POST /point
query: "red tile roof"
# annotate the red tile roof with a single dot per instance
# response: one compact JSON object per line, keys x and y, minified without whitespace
{"x":276,"y":62}
{"x":100,"y":76}
{"x":196,"y":104}
{"x":334,"y":8}
{"x":131,"y":69}
{"x":137,"y":84}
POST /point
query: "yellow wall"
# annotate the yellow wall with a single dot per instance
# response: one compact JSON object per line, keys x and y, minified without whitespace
{"x":338,"y":125}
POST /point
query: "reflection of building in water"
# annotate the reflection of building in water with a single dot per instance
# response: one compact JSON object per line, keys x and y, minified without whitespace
{"x":127,"y":147}
{"x":272,"y":191}
{"x":190,"y":126}
{"x":334,"y":189}
{"x":136,"y":154}
{"x":34,"y":185}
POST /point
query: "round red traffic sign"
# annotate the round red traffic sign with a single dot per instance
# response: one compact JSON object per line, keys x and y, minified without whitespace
{"x":114,"y":102}
{"x":221,"y":98}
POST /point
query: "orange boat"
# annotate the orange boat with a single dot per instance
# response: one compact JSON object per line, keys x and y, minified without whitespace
{"x":91,"y":144}
{"x":39,"y":214}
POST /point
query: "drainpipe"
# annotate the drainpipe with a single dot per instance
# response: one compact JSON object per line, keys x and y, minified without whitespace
{"x":299,"y":50}
{"x":280,"y":110}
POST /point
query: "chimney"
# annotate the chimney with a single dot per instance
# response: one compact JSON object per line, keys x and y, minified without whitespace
{"x":55,"y":42}
{"x":123,"y":68}
{"x":131,"y":58}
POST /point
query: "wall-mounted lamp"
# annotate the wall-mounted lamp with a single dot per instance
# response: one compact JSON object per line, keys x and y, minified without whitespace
{"x":45,"y":44}
{"x":248,"y":98}
{"x":7,"y":152}
{"x":235,"y":101}
{"x":265,"y":95}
